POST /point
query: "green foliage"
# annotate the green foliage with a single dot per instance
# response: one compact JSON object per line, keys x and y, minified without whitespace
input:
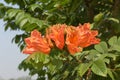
{"x":115,"y":43}
{"x":102,"y":47}
{"x":99,"y":68}
{"x":99,"y":62}
{"x":83,"y":68}
{"x":24,"y":20}
{"x":2,"y":10}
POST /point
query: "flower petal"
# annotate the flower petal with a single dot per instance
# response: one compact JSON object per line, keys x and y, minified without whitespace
{"x":36,"y":43}
{"x":87,"y":36}
{"x":56,"y":33}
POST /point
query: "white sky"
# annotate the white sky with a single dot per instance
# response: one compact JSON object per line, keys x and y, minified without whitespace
{"x":10,"y":55}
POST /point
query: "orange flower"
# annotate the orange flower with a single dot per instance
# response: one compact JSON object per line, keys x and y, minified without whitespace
{"x":36,"y":43}
{"x":56,"y":33}
{"x":72,"y":40}
{"x":76,"y":39}
{"x":48,"y":38}
{"x":87,"y":36}
{"x":80,"y":37}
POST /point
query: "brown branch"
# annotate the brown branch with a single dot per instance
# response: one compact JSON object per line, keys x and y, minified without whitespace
{"x":88,"y":74}
{"x":89,"y":8}
{"x":115,"y":69}
{"x":116,"y":8}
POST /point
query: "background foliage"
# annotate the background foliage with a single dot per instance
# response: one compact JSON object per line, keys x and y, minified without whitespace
{"x":99,"y":62}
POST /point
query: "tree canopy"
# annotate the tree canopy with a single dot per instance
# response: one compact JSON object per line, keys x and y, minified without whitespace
{"x":96,"y":62}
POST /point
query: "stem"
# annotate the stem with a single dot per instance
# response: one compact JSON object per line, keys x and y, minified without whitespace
{"x":88,"y":74}
{"x":115,"y":69}
{"x":79,"y":61}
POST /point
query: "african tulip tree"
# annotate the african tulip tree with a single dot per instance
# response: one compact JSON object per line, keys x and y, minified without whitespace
{"x":67,"y":39}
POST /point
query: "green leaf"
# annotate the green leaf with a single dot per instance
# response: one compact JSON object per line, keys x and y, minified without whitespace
{"x":83,"y":68}
{"x":58,"y":63}
{"x":2,"y":11}
{"x":39,"y":23}
{"x":112,"y":41}
{"x":43,"y":58}
{"x":99,"y":68}
{"x":99,"y":48}
{"x":116,"y":47}
{"x":51,"y":68}
{"x":65,"y":74}
{"x":80,"y":55}
{"x":91,"y":26}
{"x":119,"y":41}
{"x":36,"y":21}
{"x":38,"y":57}
{"x":117,"y":66}
{"x":19,"y":17}
{"x":107,"y":60}
{"x":12,"y":13}
{"x":113,"y":19}
{"x":23,"y":22}
{"x":56,"y":5}
{"x":102,"y":47}
{"x":34,"y":6}
{"x":110,"y":74}
{"x":93,"y":55}
{"x":29,"y":27}
{"x":110,"y":55}
{"x":115,"y":43}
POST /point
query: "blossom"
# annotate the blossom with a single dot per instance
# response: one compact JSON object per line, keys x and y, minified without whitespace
{"x":48,"y":38}
{"x":61,"y":35}
{"x":72,"y":40}
{"x":36,"y":43}
{"x":87,"y":36}
{"x":56,"y":33}
{"x":80,"y":37}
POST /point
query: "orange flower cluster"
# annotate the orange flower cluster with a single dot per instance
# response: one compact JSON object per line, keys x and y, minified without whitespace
{"x":75,"y":38}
